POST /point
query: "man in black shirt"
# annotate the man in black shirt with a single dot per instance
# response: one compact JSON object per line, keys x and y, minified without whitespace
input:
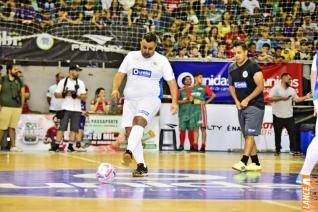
{"x":246,"y":84}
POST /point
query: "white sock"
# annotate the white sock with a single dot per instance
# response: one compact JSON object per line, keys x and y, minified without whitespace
{"x":135,"y":136}
{"x":139,"y":154}
{"x":311,"y":157}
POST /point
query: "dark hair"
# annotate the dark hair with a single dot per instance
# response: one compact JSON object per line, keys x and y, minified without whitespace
{"x":183,"y":79}
{"x":9,"y":67}
{"x":284,"y":74}
{"x":266,"y":45}
{"x":241,"y":44}
{"x":198,"y":74}
{"x":150,"y":37}
{"x":98,"y":91}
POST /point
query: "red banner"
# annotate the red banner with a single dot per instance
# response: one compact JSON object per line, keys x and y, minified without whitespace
{"x":272,"y":74}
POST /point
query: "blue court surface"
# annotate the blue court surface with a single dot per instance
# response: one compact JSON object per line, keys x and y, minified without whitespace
{"x":160,"y":184}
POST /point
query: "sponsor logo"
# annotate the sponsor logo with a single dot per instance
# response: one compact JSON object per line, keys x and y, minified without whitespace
{"x":141,"y":72}
{"x":271,"y":82}
{"x":309,"y":197}
{"x":45,"y":41}
{"x":10,"y":39}
{"x":251,"y":130}
{"x":100,"y":39}
{"x":245,"y":74}
{"x":217,"y":80}
{"x":240,"y":85}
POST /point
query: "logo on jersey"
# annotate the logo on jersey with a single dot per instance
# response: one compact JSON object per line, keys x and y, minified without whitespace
{"x":141,"y":72}
{"x":240,"y":85}
{"x":144,"y":112}
{"x":245,"y":74}
{"x":250,"y":130}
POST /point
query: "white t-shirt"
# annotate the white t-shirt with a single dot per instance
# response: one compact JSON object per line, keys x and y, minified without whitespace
{"x":144,"y":75}
{"x":283,"y":109}
{"x":310,"y":9}
{"x":250,"y":5}
{"x":68,"y":103}
{"x":55,"y":103}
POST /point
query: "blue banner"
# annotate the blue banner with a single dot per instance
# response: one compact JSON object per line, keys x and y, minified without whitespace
{"x":215,"y":75}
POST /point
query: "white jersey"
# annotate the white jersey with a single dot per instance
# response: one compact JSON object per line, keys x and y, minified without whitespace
{"x":314,"y":69}
{"x":144,"y":75}
{"x":68,"y":103}
{"x":55,"y":103}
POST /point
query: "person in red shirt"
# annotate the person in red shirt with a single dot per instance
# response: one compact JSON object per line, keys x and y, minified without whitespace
{"x":26,"y":108}
{"x":230,"y":37}
{"x":99,"y":104}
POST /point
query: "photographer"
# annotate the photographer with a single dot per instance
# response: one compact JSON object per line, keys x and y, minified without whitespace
{"x":11,"y":102}
{"x":72,"y":91}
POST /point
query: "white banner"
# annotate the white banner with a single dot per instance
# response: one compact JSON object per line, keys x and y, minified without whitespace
{"x":223,"y":131}
{"x":101,"y":133}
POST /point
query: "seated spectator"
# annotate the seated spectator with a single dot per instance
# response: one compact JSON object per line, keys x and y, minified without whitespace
{"x":74,"y":13}
{"x":302,"y":54}
{"x":289,"y":28}
{"x":224,"y":26}
{"x":250,"y":5}
{"x":212,"y":15}
{"x":99,"y":104}
{"x":143,"y":19}
{"x":182,"y":53}
{"x":278,"y":58}
{"x":26,"y":108}
{"x":7,"y":10}
{"x":88,"y":11}
{"x":101,"y":18}
{"x":26,"y":13}
{"x":234,"y":35}
{"x":308,"y":7}
{"x":264,"y":38}
{"x":251,"y":53}
{"x":192,"y":17}
{"x":45,"y":19}
{"x":220,"y":53}
{"x":309,"y":28}
{"x":287,"y":52}
{"x":195,"y":53}
{"x":264,"y":56}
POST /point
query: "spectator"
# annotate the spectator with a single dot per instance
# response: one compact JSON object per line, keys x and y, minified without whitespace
{"x":26,"y":13}
{"x":7,"y":11}
{"x":283,"y":96}
{"x":144,"y":20}
{"x":101,"y":18}
{"x":252,"y":54}
{"x":309,"y":28}
{"x":99,"y":104}
{"x":264,"y":38}
{"x":74,"y":13}
{"x":11,"y":103}
{"x":302,"y":54}
{"x":278,"y":58}
{"x":212,"y":15}
{"x":220,"y":53}
{"x":182,"y":52}
{"x":250,"y":5}
{"x":300,"y":34}
{"x":55,"y":104}
{"x":88,"y":11}
{"x":224,"y":26}
{"x":289,"y":28}
{"x":72,"y":91}
{"x":25,"y":108}
{"x":265,"y":57}
{"x":45,"y":19}
{"x":308,"y":7}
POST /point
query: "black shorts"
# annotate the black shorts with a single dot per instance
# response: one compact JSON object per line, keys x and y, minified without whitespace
{"x":73,"y":117}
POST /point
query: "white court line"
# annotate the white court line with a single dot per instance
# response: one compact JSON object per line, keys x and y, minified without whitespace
{"x":282,"y":205}
{"x":90,"y":160}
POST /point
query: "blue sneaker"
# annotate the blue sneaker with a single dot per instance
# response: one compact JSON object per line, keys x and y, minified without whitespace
{"x":299,"y":179}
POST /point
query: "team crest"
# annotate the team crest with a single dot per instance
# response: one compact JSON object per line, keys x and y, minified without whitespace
{"x":245,"y":74}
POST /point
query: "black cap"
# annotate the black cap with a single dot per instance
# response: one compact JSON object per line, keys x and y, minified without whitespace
{"x":75,"y":67}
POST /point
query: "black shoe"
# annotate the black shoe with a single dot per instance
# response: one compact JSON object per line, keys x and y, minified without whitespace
{"x":141,"y":171}
{"x":202,"y":150}
{"x":181,"y":147}
{"x":127,"y":158}
{"x":54,"y":148}
{"x":191,"y":148}
{"x":70,"y":148}
{"x":296,"y":154}
{"x":277,"y":153}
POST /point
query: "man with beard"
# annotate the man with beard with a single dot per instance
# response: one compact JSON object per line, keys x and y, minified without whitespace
{"x":282,"y":96}
{"x":145,"y":71}
{"x":11,"y":103}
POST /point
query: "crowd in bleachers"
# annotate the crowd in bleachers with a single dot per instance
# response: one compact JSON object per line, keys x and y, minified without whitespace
{"x":275,"y":31}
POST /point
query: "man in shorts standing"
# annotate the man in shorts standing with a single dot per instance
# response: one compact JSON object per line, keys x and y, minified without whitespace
{"x":11,"y":103}
{"x":246,"y":84}
{"x":143,"y":92}
{"x":72,"y":91}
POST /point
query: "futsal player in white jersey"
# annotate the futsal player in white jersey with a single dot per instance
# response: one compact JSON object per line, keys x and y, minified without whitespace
{"x":312,"y":151}
{"x":145,"y":70}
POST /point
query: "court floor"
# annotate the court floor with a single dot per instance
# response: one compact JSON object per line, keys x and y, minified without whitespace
{"x":177,"y":181}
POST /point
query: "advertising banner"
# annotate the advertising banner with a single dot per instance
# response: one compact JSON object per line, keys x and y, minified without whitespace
{"x":215,"y":74}
{"x":101,"y":133}
{"x":223,"y":129}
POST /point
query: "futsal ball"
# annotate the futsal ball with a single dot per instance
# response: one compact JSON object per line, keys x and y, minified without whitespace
{"x":105,"y":173}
